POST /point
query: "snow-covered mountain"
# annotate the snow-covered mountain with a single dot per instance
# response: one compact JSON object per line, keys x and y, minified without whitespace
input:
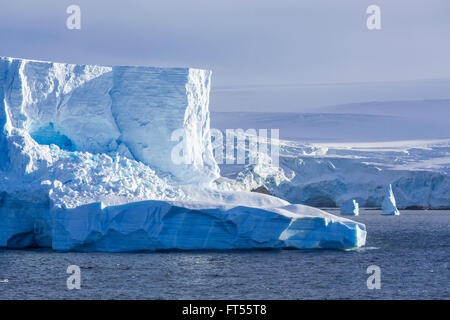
{"x":428,"y":110}
{"x":86,"y":164}
{"x":87,"y":108}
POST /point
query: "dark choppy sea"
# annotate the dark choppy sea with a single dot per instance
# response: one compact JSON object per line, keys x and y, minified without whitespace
{"x":412,"y":251}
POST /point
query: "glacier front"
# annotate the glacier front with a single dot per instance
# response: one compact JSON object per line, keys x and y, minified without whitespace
{"x":86,"y":165}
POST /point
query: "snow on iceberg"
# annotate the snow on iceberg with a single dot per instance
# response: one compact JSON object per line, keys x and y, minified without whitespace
{"x":389,"y":206}
{"x":350,"y":207}
{"x":85,"y":164}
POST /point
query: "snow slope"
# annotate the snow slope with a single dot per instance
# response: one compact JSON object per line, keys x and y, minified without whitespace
{"x":350,"y":207}
{"x":85,"y":164}
{"x":327,"y":159}
{"x":308,"y":98}
{"x":328,"y":176}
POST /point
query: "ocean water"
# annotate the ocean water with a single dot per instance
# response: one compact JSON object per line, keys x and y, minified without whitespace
{"x":412,"y":251}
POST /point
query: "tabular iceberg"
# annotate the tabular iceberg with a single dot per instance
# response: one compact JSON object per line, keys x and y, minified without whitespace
{"x":85,"y":164}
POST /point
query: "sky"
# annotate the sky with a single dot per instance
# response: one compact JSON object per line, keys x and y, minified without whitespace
{"x":245,"y":42}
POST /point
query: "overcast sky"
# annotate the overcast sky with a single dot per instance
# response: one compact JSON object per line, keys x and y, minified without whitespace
{"x":244,"y":42}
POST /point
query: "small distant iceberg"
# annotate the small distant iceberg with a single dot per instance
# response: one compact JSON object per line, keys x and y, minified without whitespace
{"x":350,"y":208}
{"x":389,"y":205}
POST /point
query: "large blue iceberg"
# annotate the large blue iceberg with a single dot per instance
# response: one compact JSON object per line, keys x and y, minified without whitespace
{"x":86,"y":164}
{"x":161,"y":225}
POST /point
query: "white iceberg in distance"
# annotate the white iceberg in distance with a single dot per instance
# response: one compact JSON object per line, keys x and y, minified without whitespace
{"x":350,"y":208}
{"x":85,"y":165}
{"x":388,"y":205}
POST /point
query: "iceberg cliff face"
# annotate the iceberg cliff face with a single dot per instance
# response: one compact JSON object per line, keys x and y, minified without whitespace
{"x":350,"y":207}
{"x":86,"y":164}
{"x":157,"y":225}
{"x":326,"y":176}
{"x":132,"y":110}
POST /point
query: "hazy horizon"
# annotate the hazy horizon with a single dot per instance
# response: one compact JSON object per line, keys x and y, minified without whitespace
{"x":250,"y":44}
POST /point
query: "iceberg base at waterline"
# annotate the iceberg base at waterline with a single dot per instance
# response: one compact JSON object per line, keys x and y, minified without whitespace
{"x":173,"y":225}
{"x":389,"y":205}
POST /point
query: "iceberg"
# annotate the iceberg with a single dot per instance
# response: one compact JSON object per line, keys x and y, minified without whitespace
{"x":389,"y":206}
{"x":350,"y":207}
{"x":86,"y":164}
